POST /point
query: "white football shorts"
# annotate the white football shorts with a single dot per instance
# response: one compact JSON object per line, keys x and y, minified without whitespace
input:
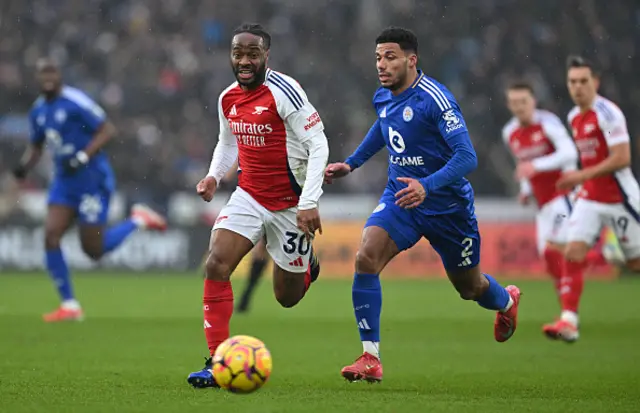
{"x":590,"y":217}
{"x":552,"y":222}
{"x":286,"y":244}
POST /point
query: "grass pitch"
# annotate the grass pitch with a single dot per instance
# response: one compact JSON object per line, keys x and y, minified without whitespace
{"x":143,"y":335}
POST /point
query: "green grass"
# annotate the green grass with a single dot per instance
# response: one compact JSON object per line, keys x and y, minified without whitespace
{"x":143,"y":335}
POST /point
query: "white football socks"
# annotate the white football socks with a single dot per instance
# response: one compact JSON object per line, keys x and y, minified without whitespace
{"x":70,"y":304}
{"x":371,"y":347}
{"x":569,"y":317}
{"x":509,"y":304}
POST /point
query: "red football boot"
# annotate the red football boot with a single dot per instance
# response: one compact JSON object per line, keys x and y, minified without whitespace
{"x":506,"y":322}
{"x":148,"y":218}
{"x":64,"y":314}
{"x":561,"y":330}
{"x":366,"y":367}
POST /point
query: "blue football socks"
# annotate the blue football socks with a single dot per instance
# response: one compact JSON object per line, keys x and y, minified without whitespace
{"x":57,"y":267}
{"x":367,"y":305}
{"x":116,"y":235}
{"x":496,"y":297}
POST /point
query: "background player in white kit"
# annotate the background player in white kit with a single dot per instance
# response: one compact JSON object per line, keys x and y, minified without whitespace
{"x":268,"y":126}
{"x":610,"y":195}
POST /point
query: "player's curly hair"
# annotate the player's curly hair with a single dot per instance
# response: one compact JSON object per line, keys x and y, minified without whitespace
{"x":405,"y":38}
{"x":256,"y":29}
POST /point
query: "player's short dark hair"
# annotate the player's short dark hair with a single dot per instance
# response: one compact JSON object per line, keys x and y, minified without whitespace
{"x":521,"y":85}
{"x":405,"y":38}
{"x":575,"y":61}
{"x":255,"y":29}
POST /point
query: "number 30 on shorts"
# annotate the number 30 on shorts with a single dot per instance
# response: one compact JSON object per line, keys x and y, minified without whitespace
{"x":295,"y":242}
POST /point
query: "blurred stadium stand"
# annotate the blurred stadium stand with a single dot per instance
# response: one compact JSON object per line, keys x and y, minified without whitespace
{"x":157,"y":67}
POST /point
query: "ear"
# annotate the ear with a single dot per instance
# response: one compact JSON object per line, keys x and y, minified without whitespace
{"x":266,"y":56}
{"x":413,"y":60}
{"x":596,"y":82}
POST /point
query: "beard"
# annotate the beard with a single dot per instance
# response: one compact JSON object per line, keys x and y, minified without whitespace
{"x":400,"y":79}
{"x":257,"y":75}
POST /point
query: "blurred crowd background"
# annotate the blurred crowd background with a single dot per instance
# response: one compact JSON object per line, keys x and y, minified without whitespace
{"x":157,"y":67}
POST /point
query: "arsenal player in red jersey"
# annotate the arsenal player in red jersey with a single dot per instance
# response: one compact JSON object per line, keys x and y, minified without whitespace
{"x":543,"y":149}
{"x":268,"y":125}
{"x":609,"y":195}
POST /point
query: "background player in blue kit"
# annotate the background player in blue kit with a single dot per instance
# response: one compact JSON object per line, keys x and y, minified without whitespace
{"x":76,"y":129}
{"x":430,"y":152}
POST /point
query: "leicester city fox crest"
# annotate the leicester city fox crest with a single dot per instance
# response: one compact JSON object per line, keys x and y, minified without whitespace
{"x":407,"y":114}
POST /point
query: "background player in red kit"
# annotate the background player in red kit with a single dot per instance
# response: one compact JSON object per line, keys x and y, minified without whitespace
{"x":610,"y":195}
{"x":277,"y":137}
{"x":543,"y":149}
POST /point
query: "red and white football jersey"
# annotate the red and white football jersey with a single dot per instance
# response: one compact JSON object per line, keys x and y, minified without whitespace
{"x":594,"y":132}
{"x":547,"y":144}
{"x":275,"y":129}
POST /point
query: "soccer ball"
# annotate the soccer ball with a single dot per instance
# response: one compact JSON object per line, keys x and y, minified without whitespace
{"x":241,"y":364}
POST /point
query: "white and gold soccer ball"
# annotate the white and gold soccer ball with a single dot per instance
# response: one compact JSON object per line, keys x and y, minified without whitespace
{"x":241,"y":364}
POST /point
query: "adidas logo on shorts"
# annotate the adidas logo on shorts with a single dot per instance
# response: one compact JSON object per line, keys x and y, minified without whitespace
{"x":297,"y":262}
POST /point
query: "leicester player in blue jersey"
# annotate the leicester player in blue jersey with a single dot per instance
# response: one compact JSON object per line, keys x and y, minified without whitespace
{"x":427,"y":195}
{"x":75,"y":129}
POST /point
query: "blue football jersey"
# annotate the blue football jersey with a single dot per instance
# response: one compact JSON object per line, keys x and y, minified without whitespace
{"x":417,"y":126}
{"x":67,"y":124}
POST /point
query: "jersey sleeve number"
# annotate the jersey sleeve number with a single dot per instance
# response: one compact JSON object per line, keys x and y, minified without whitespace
{"x":295,"y":242}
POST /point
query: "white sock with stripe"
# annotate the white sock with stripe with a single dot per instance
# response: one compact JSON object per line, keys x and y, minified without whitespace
{"x":371,"y":347}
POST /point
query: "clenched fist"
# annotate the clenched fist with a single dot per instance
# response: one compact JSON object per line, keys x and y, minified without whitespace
{"x":206,"y":188}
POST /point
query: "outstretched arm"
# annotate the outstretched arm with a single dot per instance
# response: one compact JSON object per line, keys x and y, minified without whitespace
{"x":373,"y":142}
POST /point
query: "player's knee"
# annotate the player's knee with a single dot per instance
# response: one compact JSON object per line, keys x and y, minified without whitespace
{"x":576,"y":252}
{"x":93,"y":252}
{"x":367,"y":262}
{"x":217,"y":268}
{"x":52,"y":239}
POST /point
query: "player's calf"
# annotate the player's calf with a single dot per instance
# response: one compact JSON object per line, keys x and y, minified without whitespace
{"x":59,"y":219}
{"x":91,"y":239}
{"x":290,"y":287}
{"x":470,"y":284}
{"x":227,"y":248}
